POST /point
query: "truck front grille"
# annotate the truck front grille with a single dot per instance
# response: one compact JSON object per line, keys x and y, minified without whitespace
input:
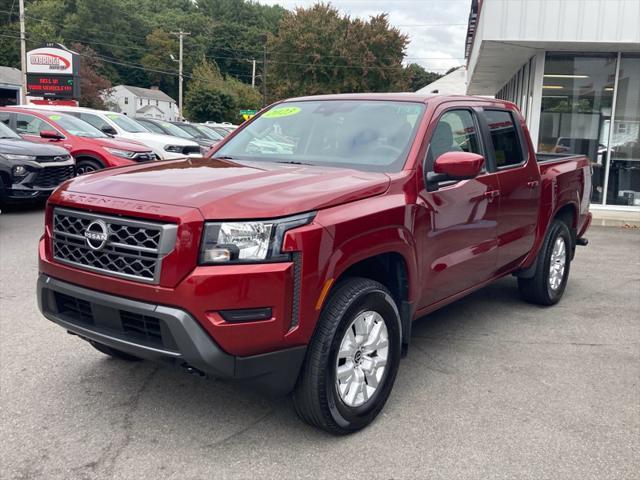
{"x":50,"y":177}
{"x":131,"y":249}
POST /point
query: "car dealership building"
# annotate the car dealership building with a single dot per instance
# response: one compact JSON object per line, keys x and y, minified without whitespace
{"x":573,"y":68}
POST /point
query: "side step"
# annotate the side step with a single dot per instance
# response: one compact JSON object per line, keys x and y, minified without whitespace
{"x":583,"y":242}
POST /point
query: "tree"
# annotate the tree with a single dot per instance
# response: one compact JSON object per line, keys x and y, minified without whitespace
{"x":316,"y":50}
{"x":418,"y":77}
{"x":91,"y":82}
{"x":211,"y":96}
{"x":160,"y":47}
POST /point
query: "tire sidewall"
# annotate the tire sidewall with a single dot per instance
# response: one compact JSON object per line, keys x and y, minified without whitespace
{"x":558,"y":229}
{"x":354,"y":418}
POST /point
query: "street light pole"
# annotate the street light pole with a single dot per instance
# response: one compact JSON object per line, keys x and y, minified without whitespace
{"x":181,"y":36}
{"x":23,"y":56}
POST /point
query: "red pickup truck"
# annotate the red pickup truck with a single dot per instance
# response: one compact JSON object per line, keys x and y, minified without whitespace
{"x":297,"y":255}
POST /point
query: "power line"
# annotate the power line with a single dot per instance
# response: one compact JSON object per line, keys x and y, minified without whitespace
{"x":252,"y":51}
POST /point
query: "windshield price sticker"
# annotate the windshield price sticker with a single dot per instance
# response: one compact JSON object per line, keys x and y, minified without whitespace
{"x":112,"y":116}
{"x":282,"y":112}
{"x":54,"y":117}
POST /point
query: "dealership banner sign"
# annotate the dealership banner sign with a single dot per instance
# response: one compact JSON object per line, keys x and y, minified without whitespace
{"x":53,"y":72}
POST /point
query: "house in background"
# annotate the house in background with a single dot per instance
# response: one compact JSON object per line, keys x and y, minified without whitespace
{"x":145,"y":102}
{"x":10,"y":86}
{"x":453,"y":83}
{"x":573,"y":68}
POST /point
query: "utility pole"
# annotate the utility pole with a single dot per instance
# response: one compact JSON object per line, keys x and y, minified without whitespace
{"x":264,"y":39}
{"x":23,"y":56}
{"x":253,"y":74}
{"x":181,"y":36}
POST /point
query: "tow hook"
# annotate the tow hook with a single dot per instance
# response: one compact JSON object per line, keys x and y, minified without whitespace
{"x":193,"y":371}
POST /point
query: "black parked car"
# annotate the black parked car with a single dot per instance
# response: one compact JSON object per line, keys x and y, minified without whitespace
{"x":28,"y":170}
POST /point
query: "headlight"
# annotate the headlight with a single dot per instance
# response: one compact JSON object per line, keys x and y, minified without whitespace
{"x":19,"y":171}
{"x":173,"y":148}
{"x":121,"y":153}
{"x":247,"y":242}
{"x":24,"y":158}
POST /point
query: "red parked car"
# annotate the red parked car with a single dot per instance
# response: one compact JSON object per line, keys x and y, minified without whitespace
{"x":298,"y":255}
{"x":92,"y":149}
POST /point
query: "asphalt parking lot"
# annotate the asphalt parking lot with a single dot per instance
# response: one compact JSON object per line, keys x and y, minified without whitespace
{"x":492,"y":388}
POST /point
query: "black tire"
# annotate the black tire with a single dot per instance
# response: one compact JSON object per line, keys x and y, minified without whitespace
{"x":537,"y":288}
{"x":86,"y":165}
{"x":316,"y":398}
{"x":112,"y":352}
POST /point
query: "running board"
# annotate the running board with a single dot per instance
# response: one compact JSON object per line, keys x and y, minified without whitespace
{"x":583,"y":242}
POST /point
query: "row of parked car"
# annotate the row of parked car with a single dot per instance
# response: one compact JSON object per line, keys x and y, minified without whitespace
{"x":42,"y":146}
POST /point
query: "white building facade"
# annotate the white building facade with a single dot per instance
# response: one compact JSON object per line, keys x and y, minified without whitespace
{"x":573,"y":68}
{"x":143,"y":102}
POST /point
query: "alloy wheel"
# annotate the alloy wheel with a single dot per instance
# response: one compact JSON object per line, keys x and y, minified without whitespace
{"x":362,"y":358}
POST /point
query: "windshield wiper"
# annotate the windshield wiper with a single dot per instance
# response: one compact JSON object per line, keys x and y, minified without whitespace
{"x":224,"y":157}
{"x":293,"y":162}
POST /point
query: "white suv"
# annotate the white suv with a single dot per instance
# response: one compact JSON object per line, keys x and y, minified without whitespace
{"x":164,"y":146}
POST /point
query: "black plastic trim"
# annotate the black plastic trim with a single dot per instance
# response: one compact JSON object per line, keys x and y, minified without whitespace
{"x":246,"y":315}
{"x":274,"y":372}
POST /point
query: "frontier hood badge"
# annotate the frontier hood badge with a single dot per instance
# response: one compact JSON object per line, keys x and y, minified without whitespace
{"x":97,"y":234}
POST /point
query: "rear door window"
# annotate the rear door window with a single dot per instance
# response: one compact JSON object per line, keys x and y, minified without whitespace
{"x":504,"y":137}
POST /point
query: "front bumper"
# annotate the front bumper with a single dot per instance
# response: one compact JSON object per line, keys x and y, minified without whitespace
{"x":161,"y":333}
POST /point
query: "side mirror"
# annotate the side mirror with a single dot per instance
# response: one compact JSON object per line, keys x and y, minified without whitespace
{"x":109,"y":130}
{"x":454,"y":166}
{"x":53,"y":135}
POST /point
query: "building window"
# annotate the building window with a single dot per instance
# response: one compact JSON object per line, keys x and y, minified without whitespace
{"x":126,"y":100}
{"x":623,"y":186}
{"x":140,"y":102}
{"x":157,"y":104}
{"x":575,"y":117}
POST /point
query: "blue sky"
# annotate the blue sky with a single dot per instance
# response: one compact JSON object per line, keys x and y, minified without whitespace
{"x":436,"y":28}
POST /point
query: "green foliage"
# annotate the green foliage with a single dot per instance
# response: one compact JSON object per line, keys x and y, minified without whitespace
{"x":418,"y":77}
{"x":310,"y":51}
{"x":317,"y":50}
{"x":211,"y":96}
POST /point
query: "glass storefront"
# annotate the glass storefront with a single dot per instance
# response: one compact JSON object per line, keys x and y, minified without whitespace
{"x":623,"y":186}
{"x":576,"y":107}
{"x":590,"y":105}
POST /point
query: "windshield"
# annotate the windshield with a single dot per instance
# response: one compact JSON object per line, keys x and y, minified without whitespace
{"x":75,"y":126}
{"x":175,"y":130}
{"x":6,"y":132}
{"x":207,"y":132}
{"x":125,"y":123}
{"x":190,"y":129}
{"x":365,"y":135}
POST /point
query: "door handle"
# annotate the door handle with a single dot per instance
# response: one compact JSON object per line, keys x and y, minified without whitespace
{"x":533,"y":184}
{"x":491,"y":194}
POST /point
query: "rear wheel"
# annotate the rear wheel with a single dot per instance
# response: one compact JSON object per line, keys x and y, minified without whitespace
{"x":352,"y":359}
{"x":547,"y":286}
{"x":87,"y":166}
{"x":112,"y":352}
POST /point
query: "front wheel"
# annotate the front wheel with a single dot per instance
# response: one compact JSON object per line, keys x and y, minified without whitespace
{"x":352,"y":360}
{"x":87,"y":166}
{"x":547,"y":286}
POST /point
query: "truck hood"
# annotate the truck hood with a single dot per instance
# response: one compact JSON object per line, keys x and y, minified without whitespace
{"x":18,"y":146}
{"x":223,"y":189}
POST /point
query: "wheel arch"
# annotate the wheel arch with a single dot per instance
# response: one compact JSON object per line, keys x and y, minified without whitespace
{"x":391,"y":269}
